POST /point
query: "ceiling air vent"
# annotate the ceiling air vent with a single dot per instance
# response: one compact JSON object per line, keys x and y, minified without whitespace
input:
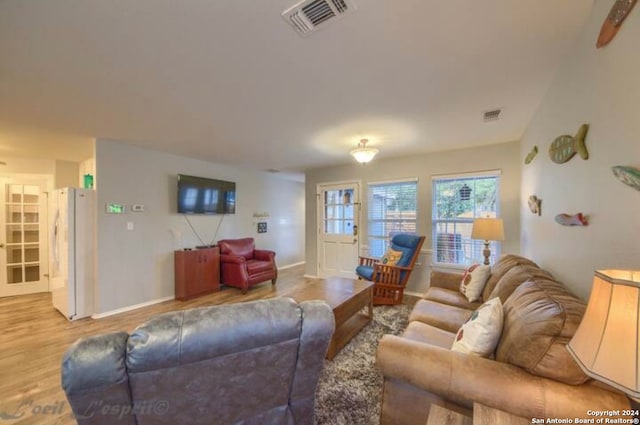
{"x":492,"y":115}
{"x":309,"y":15}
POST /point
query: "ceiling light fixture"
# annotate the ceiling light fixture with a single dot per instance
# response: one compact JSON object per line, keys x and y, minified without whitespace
{"x":362,"y":153}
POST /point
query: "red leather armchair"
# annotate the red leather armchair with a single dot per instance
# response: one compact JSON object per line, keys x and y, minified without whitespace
{"x":242,"y":266}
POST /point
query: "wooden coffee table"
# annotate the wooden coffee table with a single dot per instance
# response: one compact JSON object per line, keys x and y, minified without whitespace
{"x":346,"y":297}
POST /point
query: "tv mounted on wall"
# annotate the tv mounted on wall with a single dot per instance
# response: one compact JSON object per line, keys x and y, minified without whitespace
{"x":199,"y":195}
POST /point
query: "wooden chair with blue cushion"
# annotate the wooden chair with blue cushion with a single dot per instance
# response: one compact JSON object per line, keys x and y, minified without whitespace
{"x":390,"y":275}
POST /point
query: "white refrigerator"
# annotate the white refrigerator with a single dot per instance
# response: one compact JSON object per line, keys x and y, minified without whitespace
{"x":72,"y":259}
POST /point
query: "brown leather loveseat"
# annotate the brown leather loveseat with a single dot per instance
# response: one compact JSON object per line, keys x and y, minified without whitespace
{"x":531,"y":373}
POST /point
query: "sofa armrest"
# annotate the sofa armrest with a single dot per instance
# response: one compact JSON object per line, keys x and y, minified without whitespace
{"x":446,"y":280}
{"x":264,"y":255}
{"x":94,"y":374}
{"x":465,"y":379}
{"x":367,"y":261}
{"x":317,"y":328}
{"x":234,"y":259}
{"x":383,"y":273}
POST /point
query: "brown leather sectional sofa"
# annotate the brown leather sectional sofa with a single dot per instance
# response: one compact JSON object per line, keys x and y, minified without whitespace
{"x":531,"y":373}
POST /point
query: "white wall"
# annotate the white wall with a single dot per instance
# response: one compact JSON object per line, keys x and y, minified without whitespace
{"x":600,"y":87}
{"x":504,"y":157}
{"x":28,"y":166}
{"x":62,"y":173}
{"x":136,"y":266}
{"x":66,"y":174}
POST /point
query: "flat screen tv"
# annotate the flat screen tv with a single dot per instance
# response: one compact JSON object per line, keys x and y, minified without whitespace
{"x":199,"y":195}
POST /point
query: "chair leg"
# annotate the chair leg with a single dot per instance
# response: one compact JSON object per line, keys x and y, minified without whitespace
{"x":273,"y":281}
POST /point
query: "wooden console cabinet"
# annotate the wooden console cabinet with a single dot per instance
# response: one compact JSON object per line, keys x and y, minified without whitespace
{"x":197,"y":272}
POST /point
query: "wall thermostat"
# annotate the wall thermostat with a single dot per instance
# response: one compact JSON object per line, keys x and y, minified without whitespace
{"x":112,"y":208}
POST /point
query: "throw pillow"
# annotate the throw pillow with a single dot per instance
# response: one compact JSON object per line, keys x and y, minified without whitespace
{"x":391,"y":257}
{"x":481,"y":333}
{"x":473,"y":281}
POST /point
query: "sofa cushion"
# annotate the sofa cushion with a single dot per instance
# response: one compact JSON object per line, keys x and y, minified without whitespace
{"x":449,"y":297}
{"x":516,"y":276}
{"x":480,"y":334}
{"x":421,"y":332}
{"x":503,"y":265}
{"x":407,"y":244}
{"x":366,"y":272}
{"x":445,"y":317}
{"x":473,"y":281}
{"x":255,"y":267}
{"x":540,"y":318}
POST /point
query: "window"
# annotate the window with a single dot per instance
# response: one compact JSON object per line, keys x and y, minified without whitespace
{"x":338,"y":211}
{"x":457,"y":200}
{"x":392,"y":210}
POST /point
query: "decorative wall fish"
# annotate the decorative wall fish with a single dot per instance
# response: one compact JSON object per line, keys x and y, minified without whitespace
{"x":565,"y":147}
{"x":571,"y":220}
{"x":535,"y":204}
{"x":531,"y":155}
{"x":627,"y":175}
{"x":613,"y":22}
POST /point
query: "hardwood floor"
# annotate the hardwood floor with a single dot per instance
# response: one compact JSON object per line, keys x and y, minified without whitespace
{"x":35,"y":336}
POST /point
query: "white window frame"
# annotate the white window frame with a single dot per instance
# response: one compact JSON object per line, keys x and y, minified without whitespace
{"x":375,"y":249}
{"x":470,"y":250}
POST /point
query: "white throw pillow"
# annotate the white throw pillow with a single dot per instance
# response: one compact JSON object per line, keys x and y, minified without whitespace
{"x":473,"y":281}
{"x":481,"y":333}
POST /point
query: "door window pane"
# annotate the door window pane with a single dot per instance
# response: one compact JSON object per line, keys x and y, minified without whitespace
{"x":338,"y":212}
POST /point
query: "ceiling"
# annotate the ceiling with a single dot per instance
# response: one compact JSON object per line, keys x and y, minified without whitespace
{"x":230,"y":81}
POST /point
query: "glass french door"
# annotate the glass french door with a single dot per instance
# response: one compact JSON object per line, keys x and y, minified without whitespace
{"x":338,"y":214}
{"x":23,"y":218}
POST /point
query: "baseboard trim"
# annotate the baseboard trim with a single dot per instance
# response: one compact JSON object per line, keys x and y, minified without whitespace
{"x":290,"y":266}
{"x":309,"y":276}
{"x":131,"y":307}
{"x":414,"y":294}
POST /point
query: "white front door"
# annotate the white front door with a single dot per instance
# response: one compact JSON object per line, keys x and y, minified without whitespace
{"x":23,"y":236}
{"x":338,"y":213}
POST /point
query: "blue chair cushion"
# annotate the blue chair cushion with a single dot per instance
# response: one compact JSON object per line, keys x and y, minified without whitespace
{"x":407,"y":244}
{"x":366,"y":272}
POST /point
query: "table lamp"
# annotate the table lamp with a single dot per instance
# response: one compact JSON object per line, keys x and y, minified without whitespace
{"x":489,"y":229}
{"x":605,"y":345}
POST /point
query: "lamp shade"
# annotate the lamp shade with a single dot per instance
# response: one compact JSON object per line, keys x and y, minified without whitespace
{"x":488,"y":229}
{"x":362,"y":153}
{"x":606,"y":342}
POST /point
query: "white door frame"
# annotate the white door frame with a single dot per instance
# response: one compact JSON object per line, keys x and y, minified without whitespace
{"x":355,"y":239}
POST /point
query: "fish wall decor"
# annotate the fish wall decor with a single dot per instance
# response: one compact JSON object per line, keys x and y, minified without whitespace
{"x":565,"y":147}
{"x":531,"y":155}
{"x":535,"y":204}
{"x":571,"y":219}
{"x":613,"y":21}
{"x":627,"y":175}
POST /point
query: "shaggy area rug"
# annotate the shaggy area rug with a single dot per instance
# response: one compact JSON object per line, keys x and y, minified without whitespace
{"x":350,"y":387}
